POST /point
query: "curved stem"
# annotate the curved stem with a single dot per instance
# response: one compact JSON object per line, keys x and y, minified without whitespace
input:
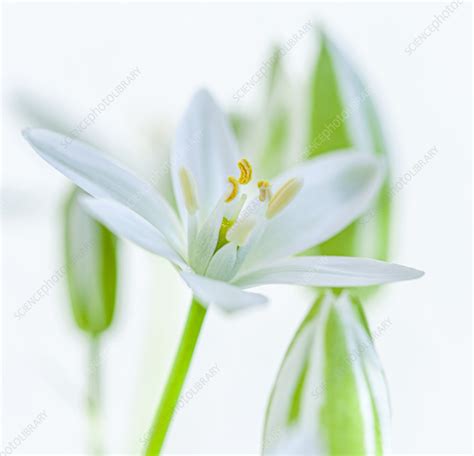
{"x":93,"y":396}
{"x":176,"y":378}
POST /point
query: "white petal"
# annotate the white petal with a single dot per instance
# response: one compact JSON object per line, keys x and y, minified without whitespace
{"x":102,"y":177}
{"x":202,"y":247}
{"x":222,"y":264}
{"x":221,"y":294}
{"x":328,"y":271}
{"x":205,"y":145}
{"x":338,"y":187}
{"x":128,"y":224}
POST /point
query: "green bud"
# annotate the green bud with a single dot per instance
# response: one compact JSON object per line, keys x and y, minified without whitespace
{"x":91,"y":267}
{"x":330,"y":395}
{"x":343,"y":115}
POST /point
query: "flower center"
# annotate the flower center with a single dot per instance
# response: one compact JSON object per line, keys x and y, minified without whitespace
{"x":244,"y":178}
{"x":238,"y":232}
{"x":235,"y":227}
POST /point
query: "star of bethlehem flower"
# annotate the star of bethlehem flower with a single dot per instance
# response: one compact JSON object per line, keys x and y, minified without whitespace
{"x":232,"y":231}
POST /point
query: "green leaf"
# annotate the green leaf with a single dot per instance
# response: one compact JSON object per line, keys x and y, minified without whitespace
{"x":91,"y":267}
{"x":330,"y":395}
{"x":343,"y":115}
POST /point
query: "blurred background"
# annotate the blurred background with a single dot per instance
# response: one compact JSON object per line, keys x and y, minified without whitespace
{"x":61,"y":60}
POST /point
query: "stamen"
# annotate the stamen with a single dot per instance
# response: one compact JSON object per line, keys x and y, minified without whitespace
{"x":245,"y":171}
{"x":283,"y":197}
{"x":265,"y":190}
{"x":238,"y":207}
{"x":240,"y":231}
{"x":189,"y":190}
{"x":234,"y":190}
{"x":244,"y":178}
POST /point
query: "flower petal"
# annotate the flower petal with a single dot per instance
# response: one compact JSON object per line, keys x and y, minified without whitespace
{"x":128,"y":224}
{"x":205,"y":145}
{"x":221,"y":294}
{"x":202,"y":247}
{"x":102,"y":177}
{"x":338,"y":187}
{"x":327,"y":271}
{"x":222,"y":265}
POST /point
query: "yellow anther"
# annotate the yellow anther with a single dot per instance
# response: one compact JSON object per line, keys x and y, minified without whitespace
{"x":245,"y":171}
{"x":264,"y":188}
{"x":233,"y":190}
{"x":244,"y":178}
{"x":188,"y":187}
{"x":283,"y":197}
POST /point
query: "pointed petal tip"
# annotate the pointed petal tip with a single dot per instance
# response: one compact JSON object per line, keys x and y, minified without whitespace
{"x":321,"y":30}
{"x":403,"y":273}
{"x":416,"y":273}
{"x":25,"y":132}
{"x":38,"y":137}
{"x":203,"y":95}
{"x":29,"y":132}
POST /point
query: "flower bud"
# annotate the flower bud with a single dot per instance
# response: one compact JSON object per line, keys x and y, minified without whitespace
{"x":330,"y":395}
{"x":91,"y":267}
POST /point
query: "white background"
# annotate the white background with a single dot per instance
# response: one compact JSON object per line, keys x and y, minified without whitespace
{"x":67,"y":57}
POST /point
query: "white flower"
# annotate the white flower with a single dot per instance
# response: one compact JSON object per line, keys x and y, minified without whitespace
{"x":223,"y":241}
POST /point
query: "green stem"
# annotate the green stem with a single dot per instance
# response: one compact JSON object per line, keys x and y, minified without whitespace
{"x":176,"y":378}
{"x":93,"y":396}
